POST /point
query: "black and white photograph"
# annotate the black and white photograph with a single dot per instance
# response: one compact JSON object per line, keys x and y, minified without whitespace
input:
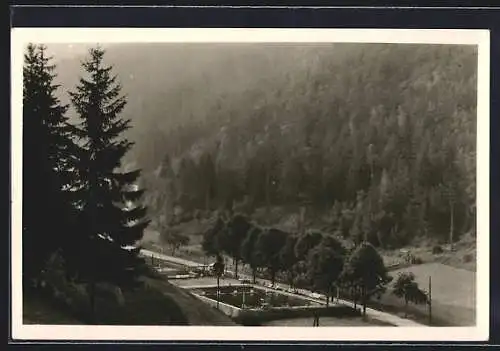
{"x":313,"y":181}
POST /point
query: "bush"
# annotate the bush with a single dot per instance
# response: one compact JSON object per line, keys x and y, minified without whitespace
{"x":437,"y":249}
{"x":416,"y":260}
{"x":467,"y":258}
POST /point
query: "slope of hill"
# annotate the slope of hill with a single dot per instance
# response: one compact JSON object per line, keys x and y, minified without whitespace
{"x":37,"y":310}
{"x":160,"y":303}
{"x":371,"y":137}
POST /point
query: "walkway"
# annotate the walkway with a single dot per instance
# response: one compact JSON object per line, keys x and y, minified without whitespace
{"x":171,"y":259}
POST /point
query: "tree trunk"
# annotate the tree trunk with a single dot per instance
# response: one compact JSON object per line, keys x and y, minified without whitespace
{"x":218,"y":291}
{"x":328,"y":298}
{"x":364,"y":300}
{"x":236,"y":269}
{"x":406,"y":307}
{"x":254,"y":274}
{"x":354,"y":296}
{"x":273,"y":275}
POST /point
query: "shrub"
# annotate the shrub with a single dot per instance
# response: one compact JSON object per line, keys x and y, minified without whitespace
{"x":437,"y":249}
{"x":467,"y":258}
{"x":416,"y":260}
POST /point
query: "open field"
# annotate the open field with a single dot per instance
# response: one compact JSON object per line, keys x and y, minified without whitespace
{"x":450,"y":285}
{"x":453,"y":296}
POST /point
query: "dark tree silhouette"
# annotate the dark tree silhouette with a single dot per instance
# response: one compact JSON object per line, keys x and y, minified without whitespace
{"x":305,"y":243}
{"x":208,"y":181}
{"x":268,"y":247}
{"x":236,"y":230}
{"x":325,"y":263}
{"x":248,"y":250}
{"x":107,"y":195}
{"x":47,"y":208}
{"x":211,"y":238}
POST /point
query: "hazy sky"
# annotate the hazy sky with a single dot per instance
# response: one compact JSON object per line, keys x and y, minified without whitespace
{"x":63,"y":51}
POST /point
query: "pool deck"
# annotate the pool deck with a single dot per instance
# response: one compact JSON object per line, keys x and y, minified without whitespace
{"x":256,"y":286}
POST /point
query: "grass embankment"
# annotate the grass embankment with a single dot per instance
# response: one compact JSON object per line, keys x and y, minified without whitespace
{"x":38,"y":309}
{"x":156,"y":303}
{"x":196,"y":311}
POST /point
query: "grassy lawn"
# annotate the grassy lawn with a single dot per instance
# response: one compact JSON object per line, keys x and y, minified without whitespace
{"x":453,"y":296}
{"x":450,"y":285}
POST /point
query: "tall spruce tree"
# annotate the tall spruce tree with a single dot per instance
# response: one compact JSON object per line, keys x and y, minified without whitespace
{"x":47,"y":147}
{"x":107,"y":196}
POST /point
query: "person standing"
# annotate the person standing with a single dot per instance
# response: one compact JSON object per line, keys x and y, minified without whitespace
{"x":316,"y":319}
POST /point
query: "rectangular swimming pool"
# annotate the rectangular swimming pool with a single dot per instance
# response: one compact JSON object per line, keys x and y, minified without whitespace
{"x":249,"y":296}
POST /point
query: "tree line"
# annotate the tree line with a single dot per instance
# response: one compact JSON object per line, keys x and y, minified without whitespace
{"x":380,"y":143}
{"x":79,"y":202}
{"x":311,"y":259}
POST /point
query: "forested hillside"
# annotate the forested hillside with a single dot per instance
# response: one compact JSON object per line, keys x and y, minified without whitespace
{"x":370,"y":140}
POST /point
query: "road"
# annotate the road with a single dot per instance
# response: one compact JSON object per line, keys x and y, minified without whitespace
{"x":172,"y":259}
{"x":382,"y":316}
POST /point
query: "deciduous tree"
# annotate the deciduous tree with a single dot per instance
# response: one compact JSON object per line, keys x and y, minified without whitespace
{"x":365,"y":269}
{"x":407,"y":288}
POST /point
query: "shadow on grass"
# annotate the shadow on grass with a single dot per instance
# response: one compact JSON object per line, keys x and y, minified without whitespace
{"x":141,"y":306}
